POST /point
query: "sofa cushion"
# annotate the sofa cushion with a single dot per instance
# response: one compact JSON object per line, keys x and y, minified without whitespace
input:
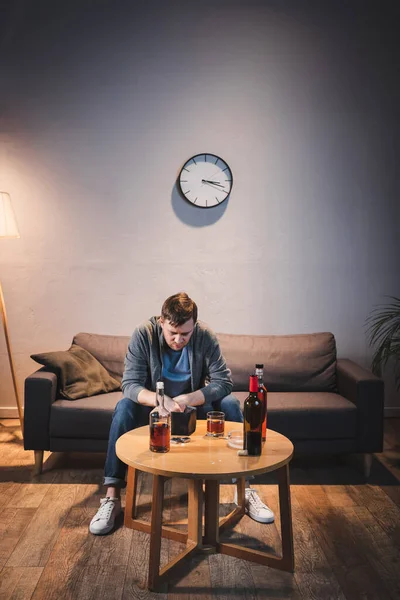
{"x":79,"y":374}
{"x":88,"y":418}
{"x":309,"y":415}
{"x":110,"y":350}
{"x":292,"y":363}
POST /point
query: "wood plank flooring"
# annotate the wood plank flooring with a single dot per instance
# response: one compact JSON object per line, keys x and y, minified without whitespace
{"x":346,"y":533}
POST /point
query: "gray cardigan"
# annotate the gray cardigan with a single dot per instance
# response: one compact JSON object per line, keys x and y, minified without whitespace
{"x":143,"y":362}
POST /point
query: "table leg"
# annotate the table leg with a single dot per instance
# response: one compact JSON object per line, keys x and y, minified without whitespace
{"x":212,"y":525}
{"x":157,"y":575}
{"x":240,"y":487}
{"x":130,"y":519}
{"x":286,"y":518}
{"x":211,"y":512}
{"x":237,"y":513}
{"x":155,"y":532}
{"x":130,"y":498}
{"x":195,"y":510}
{"x":286,"y":561}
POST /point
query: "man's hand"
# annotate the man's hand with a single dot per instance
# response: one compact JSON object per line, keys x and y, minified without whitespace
{"x":183,"y":400}
{"x":193,"y":399}
{"x":172,"y":406}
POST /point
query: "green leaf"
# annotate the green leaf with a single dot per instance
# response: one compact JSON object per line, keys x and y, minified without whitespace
{"x":383,"y":330}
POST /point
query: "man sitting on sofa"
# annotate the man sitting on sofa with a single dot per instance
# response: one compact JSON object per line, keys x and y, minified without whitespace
{"x":182,"y":352}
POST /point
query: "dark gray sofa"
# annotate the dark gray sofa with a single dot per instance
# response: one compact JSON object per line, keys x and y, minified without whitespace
{"x":323,"y":404}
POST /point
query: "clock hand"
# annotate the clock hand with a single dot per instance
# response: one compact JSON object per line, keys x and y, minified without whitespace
{"x":220,"y":188}
{"x":212,"y":182}
{"x":219,"y":171}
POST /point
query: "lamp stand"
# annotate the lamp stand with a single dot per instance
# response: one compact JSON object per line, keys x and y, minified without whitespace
{"x":14,"y":379}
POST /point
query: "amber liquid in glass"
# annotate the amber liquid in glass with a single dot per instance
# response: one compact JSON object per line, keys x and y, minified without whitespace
{"x":160,"y":434}
{"x":215,"y":426}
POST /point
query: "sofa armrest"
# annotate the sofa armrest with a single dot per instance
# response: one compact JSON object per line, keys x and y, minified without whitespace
{"x":40,"y":393}
{"x":366,"y":391}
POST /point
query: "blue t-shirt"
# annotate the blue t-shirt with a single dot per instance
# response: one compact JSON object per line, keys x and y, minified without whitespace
{"x":176,"y":372}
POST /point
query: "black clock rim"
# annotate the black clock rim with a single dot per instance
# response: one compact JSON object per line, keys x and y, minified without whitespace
{"x":191,"y":158}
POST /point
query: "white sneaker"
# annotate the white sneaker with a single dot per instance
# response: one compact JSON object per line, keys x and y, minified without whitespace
{"x":103,"y":521}
{"x":255,"y":507}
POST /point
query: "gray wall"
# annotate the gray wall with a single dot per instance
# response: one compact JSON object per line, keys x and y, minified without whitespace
{"x":103,"y":102}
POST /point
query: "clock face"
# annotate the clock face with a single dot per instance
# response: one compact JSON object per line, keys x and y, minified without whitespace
{"x":205,"y":180}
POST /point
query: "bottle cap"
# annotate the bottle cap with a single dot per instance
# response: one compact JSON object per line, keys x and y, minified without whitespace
{"x":160,"y":385}
{"x":259,"y":366}
{"x":253,"y":383}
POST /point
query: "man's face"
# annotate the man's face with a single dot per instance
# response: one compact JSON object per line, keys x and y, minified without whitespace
{"x":175,"y":336}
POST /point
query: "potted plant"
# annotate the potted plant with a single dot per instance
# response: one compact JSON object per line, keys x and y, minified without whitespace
{"x":383,"y":327}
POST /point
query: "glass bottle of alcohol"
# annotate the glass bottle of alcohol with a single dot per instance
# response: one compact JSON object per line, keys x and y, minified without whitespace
{"x":252,"y":425}
{"x":160,"y":423}
{"x":262,"y":394}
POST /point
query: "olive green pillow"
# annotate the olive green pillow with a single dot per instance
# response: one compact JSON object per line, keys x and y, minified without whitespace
{"x":79,"y":373}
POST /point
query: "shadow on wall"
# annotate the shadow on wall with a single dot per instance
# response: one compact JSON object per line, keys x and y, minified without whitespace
{"x":194,"y":215}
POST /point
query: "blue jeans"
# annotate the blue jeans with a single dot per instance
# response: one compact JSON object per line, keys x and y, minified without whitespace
{"x":130,"y":415}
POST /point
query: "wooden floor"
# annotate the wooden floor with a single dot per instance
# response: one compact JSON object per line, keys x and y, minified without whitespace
{"x":346,"y":533}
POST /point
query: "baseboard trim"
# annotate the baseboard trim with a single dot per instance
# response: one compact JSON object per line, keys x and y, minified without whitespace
{"x":392,"y":411}
{"x":8,"y":412}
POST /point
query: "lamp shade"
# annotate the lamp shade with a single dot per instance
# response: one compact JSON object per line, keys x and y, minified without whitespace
{"x":8,"y":223}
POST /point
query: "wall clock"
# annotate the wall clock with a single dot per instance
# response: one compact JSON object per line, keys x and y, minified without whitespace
{"x":205,"y":180}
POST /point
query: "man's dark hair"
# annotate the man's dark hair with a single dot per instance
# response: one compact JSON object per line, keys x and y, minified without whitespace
{"x":179,"y":308}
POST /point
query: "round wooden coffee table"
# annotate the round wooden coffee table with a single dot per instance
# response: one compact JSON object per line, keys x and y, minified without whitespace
{"x":205,"y":460}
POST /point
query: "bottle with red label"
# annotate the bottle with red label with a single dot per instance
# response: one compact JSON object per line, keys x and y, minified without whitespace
{"x":262,"y":394}
{"x":252,"y":420}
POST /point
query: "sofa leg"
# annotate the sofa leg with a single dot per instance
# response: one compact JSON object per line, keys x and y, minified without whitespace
{"x":38,"y":462}
{"x":366,"y":465}
{"x":361,"y":462}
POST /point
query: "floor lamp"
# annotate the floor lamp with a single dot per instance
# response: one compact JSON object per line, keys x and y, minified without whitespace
{"x":9,"y":229}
